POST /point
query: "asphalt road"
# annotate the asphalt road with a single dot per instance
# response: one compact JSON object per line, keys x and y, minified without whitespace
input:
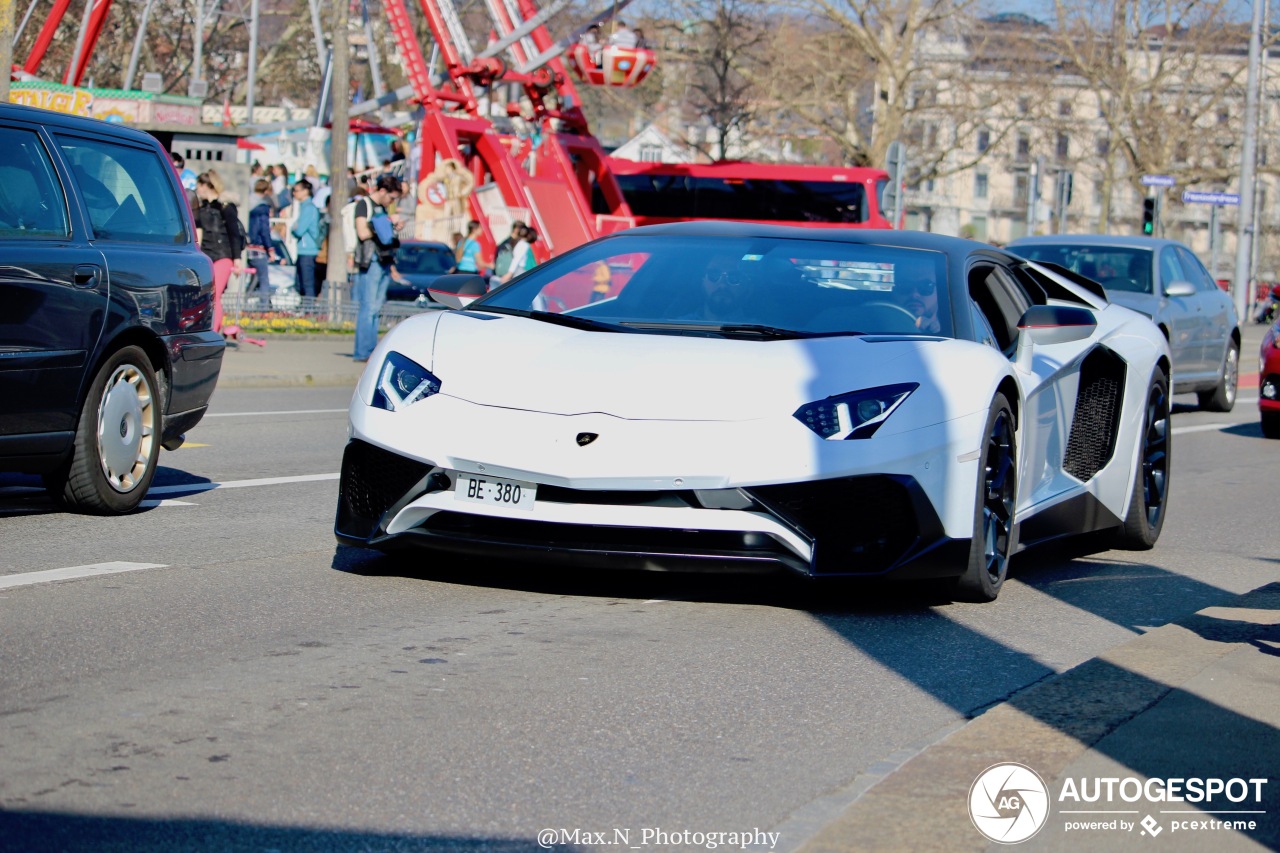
{"x":257,"y":688}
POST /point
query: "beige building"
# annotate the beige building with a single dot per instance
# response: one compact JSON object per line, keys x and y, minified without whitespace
{"x":1058,"y":125}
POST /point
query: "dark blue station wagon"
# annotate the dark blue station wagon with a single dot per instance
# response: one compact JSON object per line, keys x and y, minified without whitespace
{"x":106,"y":307}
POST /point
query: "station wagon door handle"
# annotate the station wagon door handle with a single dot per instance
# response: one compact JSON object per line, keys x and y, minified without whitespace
{"x":87,"y":275}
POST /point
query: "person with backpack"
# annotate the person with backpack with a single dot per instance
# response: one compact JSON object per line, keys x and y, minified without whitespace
{"x":220,"y":235}
{"x":373,"y":258}
{"x":522,"y":260}
{"x":306,"y":229}
{"x":502,"y":256}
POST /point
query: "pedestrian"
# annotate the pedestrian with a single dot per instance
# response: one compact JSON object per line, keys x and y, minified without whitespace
{"x":521,"y":256}
{"x":397,"y":150}
{"x":502,"y":255}
{"x":280,"y":185}
{"x":306,"y":229}
{"x":187,"y":178}
{"x":467,"y":252}
{"x":372,"y":262}
{"x":601,"y":282}
{"x":218,"y":233}
{"x":260,"y":252}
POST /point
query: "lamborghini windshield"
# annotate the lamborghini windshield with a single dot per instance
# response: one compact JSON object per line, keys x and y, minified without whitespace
{"x":750,"y":286}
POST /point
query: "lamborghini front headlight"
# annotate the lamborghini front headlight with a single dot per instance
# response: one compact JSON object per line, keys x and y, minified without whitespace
{"x":402,"y":382}
{"x":857,"y":414}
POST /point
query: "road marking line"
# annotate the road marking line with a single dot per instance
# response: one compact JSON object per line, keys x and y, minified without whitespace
{"x":240,"y":484}
{"x":188,"y":444}
{"x":1201,"y":428}
{"x":28,"y":578}
{"x":165,"y":502}
{"x":258,"y":414}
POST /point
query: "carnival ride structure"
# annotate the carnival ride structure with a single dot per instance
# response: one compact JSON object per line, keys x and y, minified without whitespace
{"x":545,"y":174}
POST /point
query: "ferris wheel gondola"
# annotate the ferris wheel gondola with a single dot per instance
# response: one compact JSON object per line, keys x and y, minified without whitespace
{"x":610,"y":65}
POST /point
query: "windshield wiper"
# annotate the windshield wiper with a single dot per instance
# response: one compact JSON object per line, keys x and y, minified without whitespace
{"x":775,"y":332}
{"x":575,"y":322}
{"x":757,"y":329}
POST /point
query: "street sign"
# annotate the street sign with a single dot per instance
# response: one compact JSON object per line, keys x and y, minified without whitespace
{"x":1192,"y":197}
{"x":1158,"y":181}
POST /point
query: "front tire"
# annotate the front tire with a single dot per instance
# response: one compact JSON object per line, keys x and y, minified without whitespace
{"x":117,"y":440}
{"x":1223,"y":398}
{"x":1147,"y":505}
{"x":993,"y":532}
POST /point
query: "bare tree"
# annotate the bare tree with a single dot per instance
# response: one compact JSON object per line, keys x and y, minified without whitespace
{"x":1166,"y":78}
{"x":725,"y":52}
{"x":933,"y":73}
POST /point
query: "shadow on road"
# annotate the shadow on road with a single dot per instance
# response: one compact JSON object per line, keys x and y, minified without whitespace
{"x":72,"y":833}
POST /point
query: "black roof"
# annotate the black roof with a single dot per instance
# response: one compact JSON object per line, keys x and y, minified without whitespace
{"x":92,"y":126}
{"x":866,"y":236}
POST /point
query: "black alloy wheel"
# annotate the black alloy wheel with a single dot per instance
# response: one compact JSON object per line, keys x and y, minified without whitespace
{"x":993,"y":533}
{"x":1150,"y":496}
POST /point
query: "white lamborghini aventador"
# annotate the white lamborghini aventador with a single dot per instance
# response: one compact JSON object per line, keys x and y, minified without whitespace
{"x":731,"y":396}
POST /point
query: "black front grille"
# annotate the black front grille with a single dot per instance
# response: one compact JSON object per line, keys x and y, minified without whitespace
{"x":635,"y":540}
{"x":372,"y":480}
{"x":861,"y":525}
{"x":1092,"y":440}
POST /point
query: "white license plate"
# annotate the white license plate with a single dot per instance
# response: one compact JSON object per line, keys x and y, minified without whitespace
{"x":494,"y":491}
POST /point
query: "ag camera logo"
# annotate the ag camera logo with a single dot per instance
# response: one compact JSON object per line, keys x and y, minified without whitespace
{"x":1008,"y":803}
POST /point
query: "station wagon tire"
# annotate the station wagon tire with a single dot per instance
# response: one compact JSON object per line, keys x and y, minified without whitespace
{"x":1150,"y":497}
{"x":1271,"y":424}
{"x":117,"y":440}
{"x":1223,"y":398}
{"x":994,"y":503}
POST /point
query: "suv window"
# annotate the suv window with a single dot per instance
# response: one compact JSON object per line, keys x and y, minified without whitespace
{"x":126,"y":190}
{"x":31,"y":199}
{"x":1196,"y":273}
{"x":1171,"y":268}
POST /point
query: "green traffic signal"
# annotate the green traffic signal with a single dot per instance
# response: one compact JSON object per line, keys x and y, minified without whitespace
{"x":1148,"y":216}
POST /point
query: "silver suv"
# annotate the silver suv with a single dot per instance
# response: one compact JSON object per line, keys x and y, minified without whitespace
{"x":1166,"y":281}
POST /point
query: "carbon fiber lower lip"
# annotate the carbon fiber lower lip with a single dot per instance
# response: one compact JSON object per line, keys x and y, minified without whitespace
{"x":859,"y":526}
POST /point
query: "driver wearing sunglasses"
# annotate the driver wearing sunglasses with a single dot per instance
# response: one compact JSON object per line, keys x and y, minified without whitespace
{"x":916,"y":289}
{"x":723,"y":281}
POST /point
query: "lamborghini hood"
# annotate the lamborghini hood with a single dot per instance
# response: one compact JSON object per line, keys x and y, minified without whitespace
{"x":518,"y":363}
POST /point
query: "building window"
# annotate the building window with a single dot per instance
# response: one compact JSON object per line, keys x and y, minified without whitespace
{"x":1024,"y":148}
{"x":1063,"y":147}
{"x":1024,"y":106}
{"x":1103,"y":146}
{"x":978,"y":227}
{"x":1064,"y":108}
{"x":980,"y":185}
{"x":984,"y":140}
{"x":1020,"y":184}
{"x":650,"y":153}
{"x":1224,"y":116}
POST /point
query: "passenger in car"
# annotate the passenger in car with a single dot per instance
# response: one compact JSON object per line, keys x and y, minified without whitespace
{"x":915,"y":288}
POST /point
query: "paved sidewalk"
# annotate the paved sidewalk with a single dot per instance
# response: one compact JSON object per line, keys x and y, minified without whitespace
{"x":287,"y":360}
{"x":1199,"y":698}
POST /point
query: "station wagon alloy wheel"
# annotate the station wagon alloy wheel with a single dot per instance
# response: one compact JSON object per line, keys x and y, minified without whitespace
{"x":125,"y":434}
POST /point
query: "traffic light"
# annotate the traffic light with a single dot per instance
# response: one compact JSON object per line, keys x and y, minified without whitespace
{"x":1148,"y":216}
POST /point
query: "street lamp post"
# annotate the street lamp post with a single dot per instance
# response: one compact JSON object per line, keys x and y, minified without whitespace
{"x":1244,"y":240}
